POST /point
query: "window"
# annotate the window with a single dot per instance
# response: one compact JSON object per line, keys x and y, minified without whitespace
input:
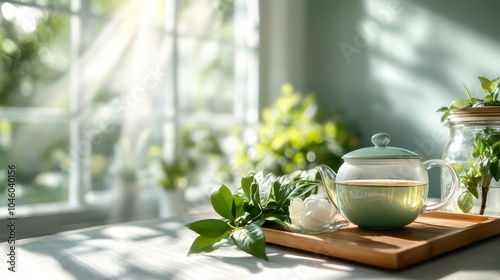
{"x":94,"y":91}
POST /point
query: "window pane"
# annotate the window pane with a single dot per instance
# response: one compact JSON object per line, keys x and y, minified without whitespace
{"x":204,"y":152}
{"x":103,"y":41}
{"x":41,"y":166}
{"x":206,"y":76}
{"x":206,"y":18}
{"x":105,"y":7}
{"x":129,"y":55}
{"x":34,"y":57}
{"x":151,"y":11}
{"x":50,"y":3}
{"x":103,"y":150}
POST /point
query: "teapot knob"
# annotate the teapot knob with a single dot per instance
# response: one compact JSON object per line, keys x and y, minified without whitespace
{"x":381,"y":140}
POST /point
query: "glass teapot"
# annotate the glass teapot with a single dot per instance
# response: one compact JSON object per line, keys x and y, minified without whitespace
{"x":383,"y":187}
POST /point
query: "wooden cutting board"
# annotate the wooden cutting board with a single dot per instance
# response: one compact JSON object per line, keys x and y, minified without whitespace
{"x":432,"y":234}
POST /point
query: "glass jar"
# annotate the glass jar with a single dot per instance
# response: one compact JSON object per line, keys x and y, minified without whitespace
{"x":465,"y":126}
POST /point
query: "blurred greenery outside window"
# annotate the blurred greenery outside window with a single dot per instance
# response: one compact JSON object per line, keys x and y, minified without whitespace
{"x":92,"y":91}
{"x":296,"y":133}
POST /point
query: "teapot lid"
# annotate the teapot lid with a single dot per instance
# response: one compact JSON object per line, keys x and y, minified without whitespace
{"x":381,"y":150}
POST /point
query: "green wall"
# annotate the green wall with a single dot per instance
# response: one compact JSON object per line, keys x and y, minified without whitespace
{"x":389,"y":65}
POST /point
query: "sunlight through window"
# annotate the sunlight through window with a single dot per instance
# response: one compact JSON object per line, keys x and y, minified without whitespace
{"x":89,"y":87}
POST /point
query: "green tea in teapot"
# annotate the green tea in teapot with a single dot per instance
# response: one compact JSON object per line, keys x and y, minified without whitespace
{"x":381,"y":204}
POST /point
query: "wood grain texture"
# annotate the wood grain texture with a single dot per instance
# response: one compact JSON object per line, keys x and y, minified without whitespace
{"x":432,"y":234}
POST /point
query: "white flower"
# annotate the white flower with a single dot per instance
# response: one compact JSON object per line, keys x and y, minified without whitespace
{"x":311,"y":214}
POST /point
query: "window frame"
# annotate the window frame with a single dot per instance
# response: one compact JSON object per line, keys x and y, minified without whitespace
{"x":79,"y":210}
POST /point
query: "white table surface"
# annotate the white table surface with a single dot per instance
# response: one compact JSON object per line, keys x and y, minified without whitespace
{"x":156,"y":249}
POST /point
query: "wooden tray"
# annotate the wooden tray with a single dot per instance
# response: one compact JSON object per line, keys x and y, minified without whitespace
{"x":431,"y":234}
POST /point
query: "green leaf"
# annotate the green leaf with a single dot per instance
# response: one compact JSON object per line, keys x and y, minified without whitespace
{"x":495,"y":148}
{"x":271,"y":205}
{"x":494,"y":137}
{"x":281,"y":219}
{"x":278,"y":184}
{"x":238,"y":203}
{"x":487,"y":85}
{"x":203,"y":244}
{"x":260,"y":221}
{"x":467,"y":92}
{"x":495,"y":170}
{"x":489,"y":98}
{"x":246,"y":182}
{"x":461,"y":103}
{"x":252,"y":210}
{"x":445,"y":116}
{"x":265,"y":190}
{"x":223,"y":202}
{"x":484,"y":146}
{"x":283,"y":186}
{"x":258,"y":177}
{"x":255,"y":195}
{"x":446,"y":112}
{"x":210,"y":228}
{"x":442,"y":109}
{"x":459,"y":168}
{"x":472,"y":186}
{"x":251,"y":240}
{"x":465,"y":202}
{"x":298,"y":189}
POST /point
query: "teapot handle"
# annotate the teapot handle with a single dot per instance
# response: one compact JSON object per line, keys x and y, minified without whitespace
{"x":328,"y":177}
{"x":455,"y":183}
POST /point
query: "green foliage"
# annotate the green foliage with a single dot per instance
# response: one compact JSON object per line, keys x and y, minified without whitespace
{"x":195,"y":144}
{"x":465,"y":201}
{"x":259,"y":199}
{"x":24,"y":57}
{"x":203,"y":244}
{"x":293,"y":136}
{"x":29,"y":39}
{"x":484,"y":162}
{"x":490,"y":88}
{"x":482,"y":167}
{"x":210,"y":228}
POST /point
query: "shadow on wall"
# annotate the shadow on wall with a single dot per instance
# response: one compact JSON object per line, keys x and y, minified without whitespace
{"x":389,"y":65}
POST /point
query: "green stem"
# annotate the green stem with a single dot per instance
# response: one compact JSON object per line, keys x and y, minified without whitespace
{"x":484,"y":196}
{"x":485,"y":187}
{"x":467,"y":92}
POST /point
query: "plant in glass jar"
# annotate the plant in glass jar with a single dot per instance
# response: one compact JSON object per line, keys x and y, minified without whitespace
{"x":474,"y":145}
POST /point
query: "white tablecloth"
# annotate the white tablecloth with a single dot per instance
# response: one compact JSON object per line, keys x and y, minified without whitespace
{"x":156,"y":249}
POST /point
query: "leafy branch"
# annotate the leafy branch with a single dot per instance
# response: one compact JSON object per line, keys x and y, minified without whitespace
{"x":490,"y":88}
{"x":259,"y":199}
{"x":482,"y":167}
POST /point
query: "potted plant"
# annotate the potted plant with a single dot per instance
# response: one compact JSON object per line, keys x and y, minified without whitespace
{"x":198,"y":151}
{"x":294,"y":134}
{"x":127,"y":170}
{"x":474,"y":148}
